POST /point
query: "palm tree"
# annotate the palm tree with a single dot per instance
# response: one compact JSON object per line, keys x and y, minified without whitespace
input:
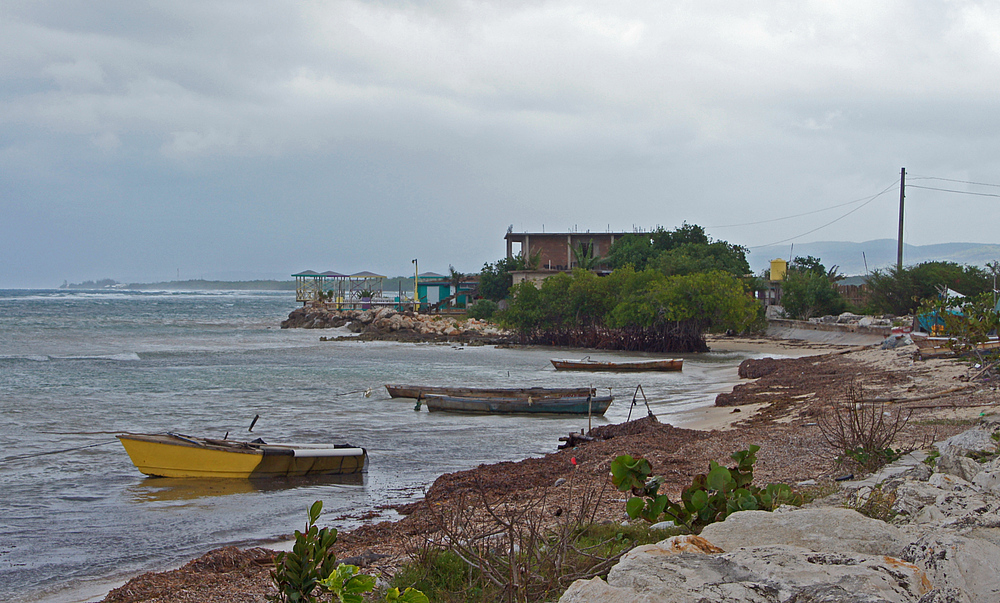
{"x":456,"y":279}
{"x":585,"y":258}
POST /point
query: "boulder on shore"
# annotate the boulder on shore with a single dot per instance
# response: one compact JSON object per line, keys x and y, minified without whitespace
{"x":942,"y":546}
{"x":388,"y":324}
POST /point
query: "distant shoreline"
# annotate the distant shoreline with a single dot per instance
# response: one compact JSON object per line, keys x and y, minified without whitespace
{"x":188,"y":285}
{"x":389,"y":285}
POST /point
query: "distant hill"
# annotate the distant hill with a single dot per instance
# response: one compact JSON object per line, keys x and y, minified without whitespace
{"x":389,"y":285}
{"x":880,"y":253}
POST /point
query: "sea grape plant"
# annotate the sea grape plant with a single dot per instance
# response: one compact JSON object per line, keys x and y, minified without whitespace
{"x":348,"y":585}
{"x":300,"y":572}
{"x":297,"y":573}
{"x":711,"y":497}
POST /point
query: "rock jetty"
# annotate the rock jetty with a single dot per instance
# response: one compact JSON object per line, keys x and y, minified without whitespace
{"x":940,"y":545}
{"x":388,"y":324}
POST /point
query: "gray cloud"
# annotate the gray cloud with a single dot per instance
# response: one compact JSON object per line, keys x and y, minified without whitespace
{"x":267,"y":138}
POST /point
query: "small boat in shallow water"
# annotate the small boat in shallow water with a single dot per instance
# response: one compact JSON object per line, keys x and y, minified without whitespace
{"x":586,"y":364}
{"x":577,"y":405}
{"x":177,"y":455}
{"x":537,"y":393}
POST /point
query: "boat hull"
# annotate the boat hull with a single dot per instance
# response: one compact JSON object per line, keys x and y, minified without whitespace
{"x":172,"y":455}
{"x":415,"y":391}
{"x":672,"y":364}
{"x":596,"y":405}
{"x":941,"y":347}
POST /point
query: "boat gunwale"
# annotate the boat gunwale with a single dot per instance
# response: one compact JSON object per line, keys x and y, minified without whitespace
{"x":415,"y":391}
{"x":663,"y":365}
{"x":597,"y":405}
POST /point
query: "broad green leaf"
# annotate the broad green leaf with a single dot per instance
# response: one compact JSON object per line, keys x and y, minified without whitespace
{"x":362,"y":583}
{"x":717,"y":478}
{"x":315,"y":510}
{"x":412,"y":595}
{"x":658,"y":504}
{"x":698,"y":500}
{"x":634,"y":506}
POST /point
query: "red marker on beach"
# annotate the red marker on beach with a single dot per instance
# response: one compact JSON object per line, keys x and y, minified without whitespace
{"x":573,"y":460}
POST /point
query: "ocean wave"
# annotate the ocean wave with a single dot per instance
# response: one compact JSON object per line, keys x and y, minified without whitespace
{"x":122,"y":357}
{"x":343,"y":331}
{"x":31,"y":357}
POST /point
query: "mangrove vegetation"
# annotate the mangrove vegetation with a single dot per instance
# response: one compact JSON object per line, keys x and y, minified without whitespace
{"x":631,"y":310}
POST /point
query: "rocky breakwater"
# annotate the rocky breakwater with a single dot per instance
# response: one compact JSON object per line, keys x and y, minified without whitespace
{"x":941,"y":543}
{"x":388,"y":324}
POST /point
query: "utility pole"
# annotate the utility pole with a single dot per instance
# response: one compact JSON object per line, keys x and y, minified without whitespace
{"x":899,"y":238}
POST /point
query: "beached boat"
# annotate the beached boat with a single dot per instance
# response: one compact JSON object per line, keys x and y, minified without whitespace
{"x":940,"y":347}
{"x":577,"y":405}
{"x":176,"y":455}
{"x":586,"y":364}
{"x":537,"y":393}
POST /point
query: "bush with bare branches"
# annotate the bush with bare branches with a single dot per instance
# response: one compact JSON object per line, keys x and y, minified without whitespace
{"x":520,"y":550}
{"x":862,"y":432}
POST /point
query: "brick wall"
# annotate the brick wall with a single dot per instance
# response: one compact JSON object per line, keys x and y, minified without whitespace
{"x":555,"y":249}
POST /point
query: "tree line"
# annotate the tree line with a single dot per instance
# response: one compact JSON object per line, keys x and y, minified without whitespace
{"x":810,"y":289}
{"x":667,"y":288}
{"x":664,"y":291}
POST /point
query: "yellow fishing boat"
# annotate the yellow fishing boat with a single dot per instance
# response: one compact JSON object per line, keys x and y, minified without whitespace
{"x":177,"y":455}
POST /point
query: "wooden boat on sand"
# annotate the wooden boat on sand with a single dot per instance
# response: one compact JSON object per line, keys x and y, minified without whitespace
{"x":941,"y":347}
{"x":586,"y":364}
{"x":580,"y":405}
{"x":536,"y":393}
{"x":177,"y":455}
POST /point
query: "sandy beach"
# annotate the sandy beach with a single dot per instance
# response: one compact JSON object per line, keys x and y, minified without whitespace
{"x":777,"y":411}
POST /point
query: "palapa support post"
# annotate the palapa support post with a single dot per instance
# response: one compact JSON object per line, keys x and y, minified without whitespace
{"x":590,"y":407}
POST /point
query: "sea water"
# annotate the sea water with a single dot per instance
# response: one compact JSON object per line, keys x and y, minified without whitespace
{"x":77,"y":367}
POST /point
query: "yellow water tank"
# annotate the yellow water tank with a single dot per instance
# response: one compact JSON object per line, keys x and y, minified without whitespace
{"x":778,"y":269}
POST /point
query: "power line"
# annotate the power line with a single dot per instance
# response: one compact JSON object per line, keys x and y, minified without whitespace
{"x":872,"y":198}
{"x":953,"y":180}
{"x":815,"y":211}
{"x":949,"y":190}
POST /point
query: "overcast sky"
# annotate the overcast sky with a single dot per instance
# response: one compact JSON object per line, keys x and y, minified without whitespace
{"x":146,"y":141}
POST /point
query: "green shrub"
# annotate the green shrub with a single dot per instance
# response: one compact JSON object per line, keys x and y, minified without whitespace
{"x":483,"y":309}
{"x":297,"y":573}
{"x":711,"y":497}
{"x":311,"y":565}
{"x":900,"y":291}
{"x":875,"y":502}
{"x":444,"y":577}
{"x":443,"y":574}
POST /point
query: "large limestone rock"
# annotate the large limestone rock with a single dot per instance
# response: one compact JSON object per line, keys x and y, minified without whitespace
{"x":959,"y":466}
{"x":587,"y":591}
{"x":827,"y":529}
{"x":970,"y":565}
{"x":944,"y":546}
{"x":973,"y":440}
{"x":768,"y":574}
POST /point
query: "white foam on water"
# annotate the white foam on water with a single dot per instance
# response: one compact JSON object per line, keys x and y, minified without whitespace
{"x":122,"y":357}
